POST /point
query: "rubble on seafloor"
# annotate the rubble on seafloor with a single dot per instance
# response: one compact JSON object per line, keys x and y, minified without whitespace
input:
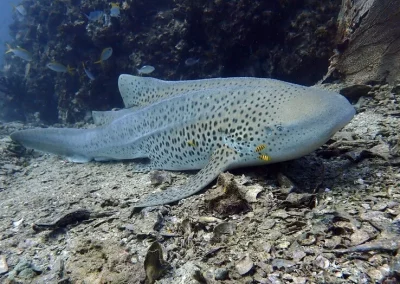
{"x":330,"y":217}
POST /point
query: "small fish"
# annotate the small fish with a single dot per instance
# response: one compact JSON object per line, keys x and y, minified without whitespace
{"x":94,"y":16}
{"x":114,"y":11}
{"x":191,"y":61}
{"x":19,"y":52}
{"x":146,"y":69}
{"x":20,"y":9}
{"x":261,"y":147}
{"x":105,"y":54}
{"x":27,"y":70}
{"x":88,"y":73}
{"x":264,"y":157}
{"x":58,"y":67}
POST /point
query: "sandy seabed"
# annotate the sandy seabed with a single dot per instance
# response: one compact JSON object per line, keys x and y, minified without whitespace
{"x":330,"y":217}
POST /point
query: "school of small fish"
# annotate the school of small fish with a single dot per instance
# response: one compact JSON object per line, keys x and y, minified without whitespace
{"x":58,"y":67}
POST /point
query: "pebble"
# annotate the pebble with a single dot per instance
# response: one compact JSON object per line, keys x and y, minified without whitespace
{"x":27,"y":273}
{"x":221,"y":274}
{"x":283,"y":245}
{"x":3,"y":264}
{"x":280,"y":214}
{"x":359,"y":237}
{"x":298,"y":255}
{"x":354,"y":92}
{"x":381,"y":206}
{"x":244,"y":265}
{"x":322,"y":262}
{"x":282,"y":263}
{"x":375,"y":275}
{"x":366,"y":206}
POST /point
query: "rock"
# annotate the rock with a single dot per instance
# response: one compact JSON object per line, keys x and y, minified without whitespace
{"x":221,"y":274}
{"x":251,"y":192}
{"x":227,"y":198}
{"x":298,"y":255}
{"x":282,"y":263}
{"x":307,"y":240}
{"x":332,"y":242}
{"x":244,"y":265}
{"x":287,"y":185}
{"x":283,"y":245}
{"x":354,"y":92}
{"x":375,"y":275}
{"x":377,"y":218}
{"x":154,"y":263}
{"x":381,"y":150}
{"x":322,"y":262}
{"x":299,"y":199}
{"x":160,"y":177}
{"x":3,"y":264}
{"x":266,"y":225}
{"x":281,"y":214}
{"x":25,"y":270}
{"x":299,"y":280}
{"x":381,"y":206}
{"x":27,"y":273}
{"x":209,"y":219}
{"x":225,"y":228}
{"x":368,"y":39}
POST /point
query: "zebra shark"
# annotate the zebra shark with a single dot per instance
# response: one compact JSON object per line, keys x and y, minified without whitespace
{"x":210,"y":125}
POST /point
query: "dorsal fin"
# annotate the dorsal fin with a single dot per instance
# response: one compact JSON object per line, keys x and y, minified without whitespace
{"x":143,"y":91}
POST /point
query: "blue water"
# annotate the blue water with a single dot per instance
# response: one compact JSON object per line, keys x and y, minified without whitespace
{"x":5,"y":21}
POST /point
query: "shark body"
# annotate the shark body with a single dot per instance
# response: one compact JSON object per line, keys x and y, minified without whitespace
{"x":210,"y":125}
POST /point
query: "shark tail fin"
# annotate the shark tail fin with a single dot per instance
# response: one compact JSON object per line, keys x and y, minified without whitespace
{"x":67,"y":142}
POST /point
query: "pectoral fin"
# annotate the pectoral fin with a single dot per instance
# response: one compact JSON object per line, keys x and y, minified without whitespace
{"x":220,"y":160}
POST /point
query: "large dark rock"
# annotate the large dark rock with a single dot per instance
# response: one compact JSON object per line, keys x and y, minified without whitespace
{"x":368,"y":42}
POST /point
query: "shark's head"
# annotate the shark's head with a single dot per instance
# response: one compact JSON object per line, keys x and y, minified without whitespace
{"x":307,"y":120}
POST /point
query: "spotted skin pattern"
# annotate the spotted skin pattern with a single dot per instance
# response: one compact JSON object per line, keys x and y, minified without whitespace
{"x":208,"y":125}
{"x":142,"y":91}
{"x":137,"y":92}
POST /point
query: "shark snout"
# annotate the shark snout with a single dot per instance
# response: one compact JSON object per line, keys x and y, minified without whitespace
{"x":336,"y":112}
{"x":311,"y":119}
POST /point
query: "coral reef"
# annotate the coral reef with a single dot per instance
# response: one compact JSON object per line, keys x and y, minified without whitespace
{"x":289,"y":40}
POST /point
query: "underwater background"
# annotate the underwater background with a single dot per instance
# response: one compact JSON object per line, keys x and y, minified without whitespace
{"x":179,"y":39}
{"x":5,"y":21}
